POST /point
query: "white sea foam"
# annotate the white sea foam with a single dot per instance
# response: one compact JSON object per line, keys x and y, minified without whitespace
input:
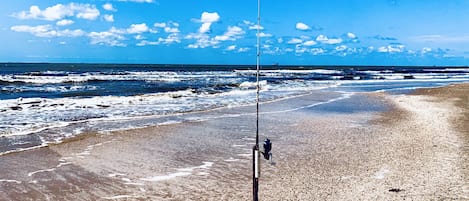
{"x":120,"y":197}
{"x":48,"y":170}
{"x":10,"y":181}
{"x":23,"y":116}
{"x":180,"y":173}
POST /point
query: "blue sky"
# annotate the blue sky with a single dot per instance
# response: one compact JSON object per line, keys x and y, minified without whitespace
{"x":333,"y":32}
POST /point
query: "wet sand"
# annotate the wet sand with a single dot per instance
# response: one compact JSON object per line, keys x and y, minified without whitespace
{"x":415,"y":150}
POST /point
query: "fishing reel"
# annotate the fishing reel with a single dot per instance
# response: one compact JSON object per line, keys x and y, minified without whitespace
{"x":267,"y":148}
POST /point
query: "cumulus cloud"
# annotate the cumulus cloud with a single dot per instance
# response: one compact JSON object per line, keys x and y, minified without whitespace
{"x":64,"y":22}
{"x":137,"y":28}
{"x":171,"y":30}
{"x":252,"y":25}
{"x":139,"y":37}
{"x":295,"y":41}
{"x":47,"y":31}
{"x":109,"y":18}
{"x":302,"y":26}
{"x":426,"y":49}
{"x":341,"y":48}
{"x":168,"y":27}
{"x":172,"y":38}
{"x":112,"y":37}
{"x":207,"y":19}
{"x":233,"y":33}
{"x":243,"y":49}
{"x":138,"y":1}
{"x":351,"y":35}
{"x":317,"y":51}
{"x":231,"y":48}
{"x":60,"y":11}
{"x":202,"y":41}
{"x":310,"y":43}
{"x":393,"y":48}
{"x":109,"y":7}
{"x":264,"y":35}
{"x":331,"y":41}
{"x":159,"y":25}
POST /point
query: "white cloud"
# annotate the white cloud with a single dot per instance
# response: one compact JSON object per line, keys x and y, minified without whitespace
{"x":233,"y":33}
{"x":47,"y":31}
{"x":171,"y":30}
{"x":326,"y":40}
{"x":426,"y":49}
{"x":109,"y":7}
{"x":168,"y":27}
{"x":252,"y":25}
{"x":60,"y":11}
{"x":295,"y":41}
{"x":333,"y":41}
{"x":231,"y":48}
{"x":137,"y":28}
{"x":145,"y":42}
{"x":322,"y":38}
{"x":300,"y":49}
{"x":317,"y":51}
{"x":109,"y":18}
{"x":302,"y":26}
{"x":264,"y":35}
{"x":172,"y":38}
{"x":279,"y":40}
{"x":243,"y":49}
{"x":382,"y":49}
{"x":113,"y":37}
{"x":205,"y":27}
{"x":138,"y":1}
{"x":160,"y":25}
{"x":391,"y":48}
{"x":202,"y":41}
{"x":341,"y":48}
{"x":207,"y":19}
{"x":310,"y":43}
{"x":139,"y":37}
{"x":64,"y":22}
{"x":85,"y":12}
{"x":351,"y":35}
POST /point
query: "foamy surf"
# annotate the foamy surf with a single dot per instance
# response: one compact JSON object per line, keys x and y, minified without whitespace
{"x":182,"y":172}
{"x":56,"y":104}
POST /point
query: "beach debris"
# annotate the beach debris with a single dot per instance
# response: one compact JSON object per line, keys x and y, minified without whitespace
{"x":395,"y":190}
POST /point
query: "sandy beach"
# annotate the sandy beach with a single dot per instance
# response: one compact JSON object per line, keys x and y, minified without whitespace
{"x":372,"y":146}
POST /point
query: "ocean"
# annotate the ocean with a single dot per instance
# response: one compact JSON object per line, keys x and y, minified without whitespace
{"x":42,"y":104}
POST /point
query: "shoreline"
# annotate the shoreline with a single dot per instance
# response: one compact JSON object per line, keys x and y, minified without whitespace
{"x":359,"y":155}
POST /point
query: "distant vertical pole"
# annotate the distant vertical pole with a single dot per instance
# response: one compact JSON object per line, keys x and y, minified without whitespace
{"x":255,"y":150}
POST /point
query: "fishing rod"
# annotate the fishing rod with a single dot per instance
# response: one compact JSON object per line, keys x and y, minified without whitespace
{"x":267,"y":143}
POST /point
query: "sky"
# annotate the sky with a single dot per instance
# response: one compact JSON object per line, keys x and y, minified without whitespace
{"x":307,"y":32}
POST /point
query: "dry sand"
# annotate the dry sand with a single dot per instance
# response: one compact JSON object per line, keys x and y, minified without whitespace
{"x":418,"y":150}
